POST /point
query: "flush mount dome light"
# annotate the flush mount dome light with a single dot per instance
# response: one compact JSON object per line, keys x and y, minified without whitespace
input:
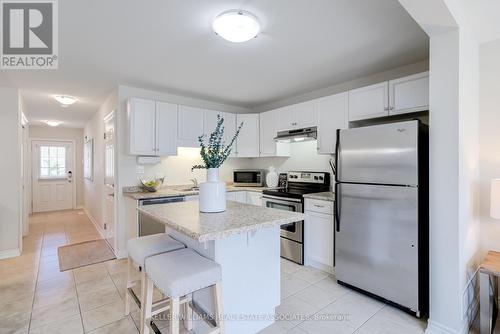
{"x":65,"y":100}
{"x":236,"y":26}
{"x":52,"y":123}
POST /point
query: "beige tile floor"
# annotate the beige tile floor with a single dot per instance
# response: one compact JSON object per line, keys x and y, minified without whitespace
{"x":37,"y":298}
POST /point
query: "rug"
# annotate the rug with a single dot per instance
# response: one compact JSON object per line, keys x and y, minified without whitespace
{"x":84,"y":254}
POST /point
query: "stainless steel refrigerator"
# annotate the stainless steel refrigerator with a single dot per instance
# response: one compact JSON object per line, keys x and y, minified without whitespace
{"x":381,"y":232}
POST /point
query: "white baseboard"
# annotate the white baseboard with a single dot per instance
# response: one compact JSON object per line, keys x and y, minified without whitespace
{"x":8,"y":253}
{"x":96,"y":224}
{"x":437,"y":328}
{"x":121,"y":254}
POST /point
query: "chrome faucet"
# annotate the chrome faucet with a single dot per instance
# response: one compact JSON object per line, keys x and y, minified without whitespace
{"x":195,"y":182}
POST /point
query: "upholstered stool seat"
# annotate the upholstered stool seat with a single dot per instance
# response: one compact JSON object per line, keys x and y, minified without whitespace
{"x":178,"y":274}
{"x":139,"y":249}
{"x":190,"y":272}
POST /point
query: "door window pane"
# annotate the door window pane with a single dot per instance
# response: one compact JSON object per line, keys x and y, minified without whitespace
{"x":52,"y":161}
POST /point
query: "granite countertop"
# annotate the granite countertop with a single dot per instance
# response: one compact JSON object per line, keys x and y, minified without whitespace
{"x":324,"y":196}
{"x":238,"y":218}
{"x":172,"y":191}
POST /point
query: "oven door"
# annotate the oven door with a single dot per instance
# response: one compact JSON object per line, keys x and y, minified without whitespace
{"x":293,"y":230}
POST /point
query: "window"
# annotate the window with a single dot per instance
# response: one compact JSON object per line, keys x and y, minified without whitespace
{"x":52,"y":161}
{"x":88,"y":160}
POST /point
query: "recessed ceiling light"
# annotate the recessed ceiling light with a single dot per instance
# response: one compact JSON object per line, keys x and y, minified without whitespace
{"x":52,"y":123}
{"x":65,"y":100}
{"x":236,"y":26}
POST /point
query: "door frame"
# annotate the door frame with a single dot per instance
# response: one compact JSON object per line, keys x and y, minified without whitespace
{"x":112,"y":115}
{"x":32,"y":164}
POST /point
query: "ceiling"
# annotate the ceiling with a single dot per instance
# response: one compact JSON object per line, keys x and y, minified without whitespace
{"x":169,"y":45}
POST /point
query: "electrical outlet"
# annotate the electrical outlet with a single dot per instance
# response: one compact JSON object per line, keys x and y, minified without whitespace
{"x":140,"y":169}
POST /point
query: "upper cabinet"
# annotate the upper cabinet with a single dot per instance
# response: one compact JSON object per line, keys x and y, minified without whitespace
{"x":403,"y":95}
{"x":210,"y":122}
{"x":247,"y":144}
{"x":332,"y":115}
{"x":369,"y":102}
{"x":166,"y":128}
{"x":152,"y":127}
{"x":409,"y":94}
{"x":297,"y":116}
{"x":268,"y":131}
{"x":189,"y":126}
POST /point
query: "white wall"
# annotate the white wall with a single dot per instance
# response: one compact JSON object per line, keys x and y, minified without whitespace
{"x":10,"y":173}
{"x":93,"y":189}
{"x":454,"y":172}
{"x":62,"y":133}
{"x":489,"y":150}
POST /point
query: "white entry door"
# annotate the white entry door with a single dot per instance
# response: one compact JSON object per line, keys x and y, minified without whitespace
{"x":109,"y":179}
{"x":53,"y":175}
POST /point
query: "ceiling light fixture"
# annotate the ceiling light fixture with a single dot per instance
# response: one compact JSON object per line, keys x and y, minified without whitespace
{"x":52,"y":123}
{"x":65,"y":100}
{"x":236,"y":26}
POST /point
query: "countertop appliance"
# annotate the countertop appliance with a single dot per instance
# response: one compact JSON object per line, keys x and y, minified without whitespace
{"x":381,"y":212}
{"x":248,"y":177}
{"x":291,"y":199}
{"x":148,"y":226}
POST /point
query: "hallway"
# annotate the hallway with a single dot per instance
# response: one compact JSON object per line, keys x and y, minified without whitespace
{"x":38,"y":298}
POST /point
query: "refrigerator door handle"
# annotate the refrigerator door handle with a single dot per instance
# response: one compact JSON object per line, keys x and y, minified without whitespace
{"x":337,"y":154}
{"x":336,"y":207}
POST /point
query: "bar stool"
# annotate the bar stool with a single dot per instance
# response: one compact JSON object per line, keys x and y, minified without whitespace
{"x":139,"y":249}
{"x":187,"y":272}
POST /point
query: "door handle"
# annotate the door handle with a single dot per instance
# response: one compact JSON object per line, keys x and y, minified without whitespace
{"x":336,"y":207}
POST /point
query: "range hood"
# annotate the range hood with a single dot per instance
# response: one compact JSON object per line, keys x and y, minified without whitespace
{"x":297,"y":135}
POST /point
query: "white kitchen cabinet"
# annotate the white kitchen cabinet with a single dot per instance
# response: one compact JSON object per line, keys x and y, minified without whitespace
{"x":247,"y":144}
{"x":369,"y":102}
{"x":305,"y":114}
{"x":268,"y":131}
{"x":319,"y":235}
{"x":210,"y":121}
{"x":142,"y":128}
{"x":238,"y":196}
{"x":297,"y":116}
{"x":166,"y":128}
{"x":152,"y":127}
{"x":254,"y":198}
{"x":332,"y":115}
{"x":409,"y":94}
{"x":230,"y":130}
{"x":189,"y":126}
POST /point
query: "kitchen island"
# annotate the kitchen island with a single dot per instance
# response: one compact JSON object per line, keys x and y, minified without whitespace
{"x":245,"y":241}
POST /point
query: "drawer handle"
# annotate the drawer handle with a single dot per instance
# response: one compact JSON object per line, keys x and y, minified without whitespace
{"x":319,"y":206}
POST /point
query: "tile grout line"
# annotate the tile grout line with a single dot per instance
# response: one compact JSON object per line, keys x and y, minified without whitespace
{"x":36,"y":279}
{"x":364,"y":323}
{"x":74,"y":282}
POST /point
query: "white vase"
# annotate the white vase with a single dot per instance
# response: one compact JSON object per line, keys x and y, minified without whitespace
{"x":272,"y":178}
{"x":212,"y":193}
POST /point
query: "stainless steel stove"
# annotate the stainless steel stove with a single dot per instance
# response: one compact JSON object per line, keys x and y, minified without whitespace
{"x":291,"y":198}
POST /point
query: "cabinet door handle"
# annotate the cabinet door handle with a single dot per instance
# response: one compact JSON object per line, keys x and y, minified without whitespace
{"x":391,"y":108}
{"x":386,"y":108}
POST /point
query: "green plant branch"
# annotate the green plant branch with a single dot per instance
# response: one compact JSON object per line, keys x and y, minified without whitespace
{"x":214,"y":153}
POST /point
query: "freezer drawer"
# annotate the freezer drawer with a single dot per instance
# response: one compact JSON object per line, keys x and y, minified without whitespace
{"x":377,"y":241}
{"x":379,"y":154}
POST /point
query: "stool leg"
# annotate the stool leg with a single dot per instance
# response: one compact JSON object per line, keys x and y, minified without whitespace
{"x":128,"y":285}
{"x":147,"y":306}
{"x":174,"y":315}
{"x":144,"y":281}
{"x":188,"y":313}
{"x":219,"y":310}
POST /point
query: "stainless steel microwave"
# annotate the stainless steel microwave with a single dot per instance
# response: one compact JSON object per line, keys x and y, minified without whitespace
{"x":248,"y":177}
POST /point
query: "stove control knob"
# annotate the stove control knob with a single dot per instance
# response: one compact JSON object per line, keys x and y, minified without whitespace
{"x":316,"y":178}
{"x":321,"y":178}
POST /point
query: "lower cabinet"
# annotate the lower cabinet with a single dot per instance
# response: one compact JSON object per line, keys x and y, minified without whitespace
{"x":319,"y":238}
{"x":237,"y":196}
{"x":254,"y":198}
